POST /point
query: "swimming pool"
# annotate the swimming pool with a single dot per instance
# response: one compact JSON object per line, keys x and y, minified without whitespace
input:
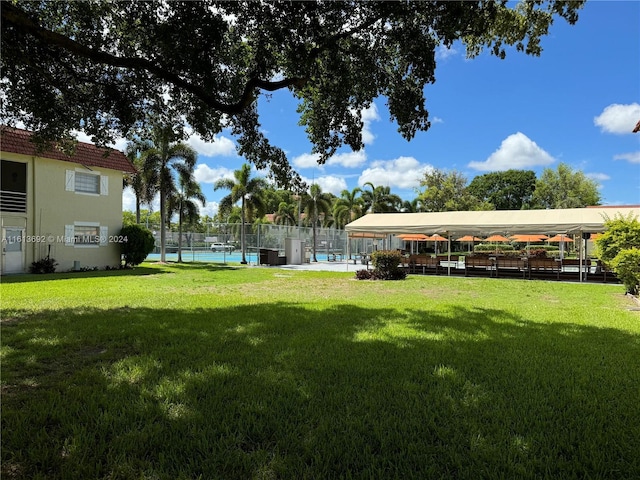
{"x":216,"y":257}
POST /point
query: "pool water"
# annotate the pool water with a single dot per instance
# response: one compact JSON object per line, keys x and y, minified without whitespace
{"x":216,"y":257}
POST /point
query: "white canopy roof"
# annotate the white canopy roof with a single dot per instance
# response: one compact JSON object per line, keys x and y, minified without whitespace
{"x":569,"y":220}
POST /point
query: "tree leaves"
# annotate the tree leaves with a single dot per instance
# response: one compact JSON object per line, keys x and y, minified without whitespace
{"x":107,"y":67}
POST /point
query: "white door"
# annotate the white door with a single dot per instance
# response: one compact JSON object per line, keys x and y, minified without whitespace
{"x":12,"y":250}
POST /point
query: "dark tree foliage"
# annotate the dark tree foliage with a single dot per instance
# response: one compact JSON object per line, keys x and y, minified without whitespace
{"x":105,"y":67}
{"x":509,"y":190}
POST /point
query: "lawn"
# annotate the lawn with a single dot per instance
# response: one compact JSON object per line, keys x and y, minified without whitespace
{"x":205,"y":371}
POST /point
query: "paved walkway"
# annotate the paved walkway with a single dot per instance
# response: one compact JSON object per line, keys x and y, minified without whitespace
{"x":338,"y":266}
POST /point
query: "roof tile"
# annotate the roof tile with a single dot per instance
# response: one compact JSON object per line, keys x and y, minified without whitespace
{"x":16,"y":140}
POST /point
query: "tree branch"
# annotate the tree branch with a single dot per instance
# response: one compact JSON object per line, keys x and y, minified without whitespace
{"x":13,"y":15}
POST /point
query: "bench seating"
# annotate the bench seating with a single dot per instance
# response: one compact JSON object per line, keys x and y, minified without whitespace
{"x":544,"y":266}
{"x":417,"y":262}
{"x":474,"y":264}
{"x":511,"y":265}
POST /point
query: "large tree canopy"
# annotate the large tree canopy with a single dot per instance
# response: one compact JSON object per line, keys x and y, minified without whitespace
{"x":508,"y":190}
{"x":565,"y":188}
{"x":105,"y":66}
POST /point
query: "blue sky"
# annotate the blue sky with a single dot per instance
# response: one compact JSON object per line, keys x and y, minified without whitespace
{"x":577,"y":103}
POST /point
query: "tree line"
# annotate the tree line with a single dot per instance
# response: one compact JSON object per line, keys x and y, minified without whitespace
{"x":166,"y":169}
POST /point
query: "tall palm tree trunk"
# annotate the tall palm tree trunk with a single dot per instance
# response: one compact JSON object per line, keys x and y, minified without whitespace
{"x":137,"y":210}
{"x":315,"y":259}
{"x":163,"y":236}
{"x":180,"y":233}
{"x":243,"y":244}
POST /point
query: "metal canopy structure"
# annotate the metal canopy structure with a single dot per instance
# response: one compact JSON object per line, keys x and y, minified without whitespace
{"x":485,"y":223}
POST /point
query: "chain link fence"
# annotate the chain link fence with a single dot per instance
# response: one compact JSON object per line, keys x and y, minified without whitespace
{"x":330,"y":242}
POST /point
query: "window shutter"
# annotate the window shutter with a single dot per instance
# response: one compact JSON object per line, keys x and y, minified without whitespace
{"x":70,"y":182}
{"x":69,"y":232}
{"x":104,"y":185}
{"x":104,"y":236}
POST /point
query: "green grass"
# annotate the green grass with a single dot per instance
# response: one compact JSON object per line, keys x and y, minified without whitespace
{"x":203,"y":371}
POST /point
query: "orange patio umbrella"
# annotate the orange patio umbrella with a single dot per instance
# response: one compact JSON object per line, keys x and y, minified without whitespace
{"x":470,"y":239}
{"x":595,"y":236}
{"x":413,"y":237}
{"x":528,"y":238}
{"x":560,"y":238}
{"x":497,"y":238}
{"x":437,"y":238}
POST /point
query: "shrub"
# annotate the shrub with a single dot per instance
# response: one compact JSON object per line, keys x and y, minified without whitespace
{"x":621,"y":233}
{"x":499,"y":248}
{"x":45,"y":265}
{"x":386,"y":265}
{"x":363,"y":274}
{"x":626,"y":265}
{"x":619,"y":246}
{"x":538,"y":253}
{"x":139,"y":243}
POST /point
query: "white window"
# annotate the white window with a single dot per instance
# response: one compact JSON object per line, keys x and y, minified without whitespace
{"x":87,"y":182}
{"x":85,"y":234}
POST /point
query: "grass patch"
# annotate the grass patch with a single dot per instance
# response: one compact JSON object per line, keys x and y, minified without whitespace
{"x":204,"y":371}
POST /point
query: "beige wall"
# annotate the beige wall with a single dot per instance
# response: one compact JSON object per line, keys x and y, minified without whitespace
{"x":50,"y":207}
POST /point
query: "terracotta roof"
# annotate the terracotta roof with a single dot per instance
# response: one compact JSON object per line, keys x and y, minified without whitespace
{"x":15,"y":140}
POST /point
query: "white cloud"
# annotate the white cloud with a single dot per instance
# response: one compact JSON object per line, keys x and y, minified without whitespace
{"x":221,"y":146}
{"x":128,"y":199}
{"x":345,"y":159}
{"x":436,"y":120}
{"x":516,"y":151}
{"x":633,"y":157}
{"x":119,"y":143}
{"x":210,"y":209}
{"x":598,"y":177}
{"x":306,"y":160}
{"x":617,"y":118}
{"x":369,"y":115}
{"x":348,"y":159}
{"x":205,"y":174}
{"x":402,"y":172}
{"x":442,"y":52}
{"x":328,"y":184}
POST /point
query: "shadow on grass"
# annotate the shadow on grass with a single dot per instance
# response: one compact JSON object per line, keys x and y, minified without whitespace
{"x":203,"y":266}
{"x":129,"y":272}
{"x":278,"y":391}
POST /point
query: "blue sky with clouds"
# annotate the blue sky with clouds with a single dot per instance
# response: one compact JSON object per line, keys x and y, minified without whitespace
{"x":577,"y":103}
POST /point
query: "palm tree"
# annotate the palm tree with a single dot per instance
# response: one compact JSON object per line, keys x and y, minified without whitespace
{"x":411,"y":206}
{"x":348,"y":207}
{"x":314,"y":204}
{"x":143,"y":191}
{"x":380,"y":199}
{"x":287,"y":214}
{"x":181,"y":202}
{"x":247,"y":190}
{"x":160,"y":160}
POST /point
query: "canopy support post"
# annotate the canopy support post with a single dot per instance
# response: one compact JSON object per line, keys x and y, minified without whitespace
{"x":448,"y":254}
{"x":581,"y":254}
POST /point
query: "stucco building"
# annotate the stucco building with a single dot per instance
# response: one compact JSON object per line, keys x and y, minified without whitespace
{"x":67,"y":207}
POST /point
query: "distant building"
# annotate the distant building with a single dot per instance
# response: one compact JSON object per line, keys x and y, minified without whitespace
{"x":68,"y":207}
